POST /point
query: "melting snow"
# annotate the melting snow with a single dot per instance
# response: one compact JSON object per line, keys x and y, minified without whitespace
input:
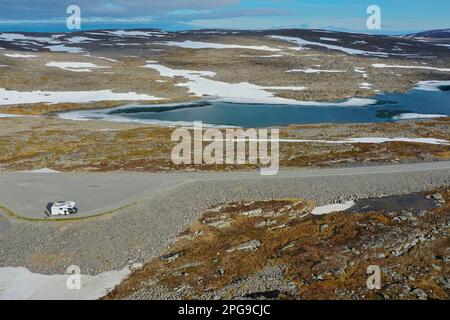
{"x":361,"y":70}
{"x":382,"y":65}
{"x":75,"y":40}
{"x":75,"y":66}
{"x":373,"y":140}
{"x":337,"y":207}
{"x":104,"y":58}
{"x":431,"y":85}
{"x":44,"y":170}
{"x":310,"y":70}
{"x":7,"y":115}
{"x":329,"y":39}
{"x":10,"y":97}
{"x":208,"y":45}
{"x":63,"y":48}
{"x":303,"y":42}
{"x":131,"y":33}
{"x":18,"y":55}
{"x":406,"y":116}
{"x":20,"y":37}
{"x":365,"y":85}
{"x":242,"y":92}
{"x":21,"y":284}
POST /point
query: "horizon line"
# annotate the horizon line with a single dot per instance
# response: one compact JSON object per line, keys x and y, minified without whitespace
{"x":379,"y":33}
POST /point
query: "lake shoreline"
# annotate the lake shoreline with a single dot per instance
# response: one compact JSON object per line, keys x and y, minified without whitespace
{"x":217,"y":112}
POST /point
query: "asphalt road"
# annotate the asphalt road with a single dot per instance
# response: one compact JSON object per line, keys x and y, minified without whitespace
{"x":27,"y":194}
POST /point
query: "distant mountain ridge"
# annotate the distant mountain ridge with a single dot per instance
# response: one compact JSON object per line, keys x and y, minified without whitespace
{"x":438,"y":34}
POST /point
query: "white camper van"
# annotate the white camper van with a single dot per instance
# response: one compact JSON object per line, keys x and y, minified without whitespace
{"x":63,"y":208}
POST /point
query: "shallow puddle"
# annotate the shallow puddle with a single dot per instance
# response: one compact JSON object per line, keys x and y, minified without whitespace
{"x":413,"y":202}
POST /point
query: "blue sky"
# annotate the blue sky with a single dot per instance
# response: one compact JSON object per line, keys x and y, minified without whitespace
{"x":398,"y":16}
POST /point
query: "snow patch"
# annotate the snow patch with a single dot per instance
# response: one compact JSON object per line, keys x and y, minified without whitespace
{"x":431,"y":85}
{"x":311,"y":70}
{"x":75,"y":66}
{"x":44,"y":170}
{"x":75,"y":40}
{"x":337,"y":207}
{"x":244,"y":92}
{"x":329,"y":39}
{"x":301,"y":42}
{"x":18,"y":55}
{"x":372,"y":140}
{"x":407,"y":116}
{"x":131,"y":33}
{"x":21,"y":284}
{"x":382,"y":65}
{"x":7,"y":115}
{"x":361,"y":70}
{"x":20,"y":37}
{"x":11,"y":97}
{"x":209,"y":45}
{"x":365,"y":85}
{"x":63,"y":48}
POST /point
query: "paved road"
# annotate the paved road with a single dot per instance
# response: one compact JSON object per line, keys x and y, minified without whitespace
{"x":27,"y":194}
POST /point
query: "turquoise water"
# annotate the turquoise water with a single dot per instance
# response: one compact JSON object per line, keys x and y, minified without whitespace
{"x":389,"y":107}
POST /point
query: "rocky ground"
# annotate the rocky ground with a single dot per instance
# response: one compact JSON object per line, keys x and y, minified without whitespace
{"x":141,"y":231}
{"x":256,"y":249}
{"x":277,"y":250}
{"x":120,"y":57}
{"x":30,"y":143}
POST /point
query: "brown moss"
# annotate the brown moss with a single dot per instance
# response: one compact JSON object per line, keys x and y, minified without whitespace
{"x":300,"y":244}
{"x":85,"y":146}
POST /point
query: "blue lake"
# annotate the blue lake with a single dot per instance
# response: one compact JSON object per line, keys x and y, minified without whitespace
{"x":388,"y":107}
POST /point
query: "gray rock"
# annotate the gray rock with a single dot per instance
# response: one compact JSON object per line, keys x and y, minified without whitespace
{"x":172,"y":256}
{"x":265,"y":223}
{"x":252,"y":245}
{"x":420,"y":294}
{"x":445,"y":283}
{"x":221,"y":271}
{"x":252,"y":213}
{"x":221,"y":224}
{"x":289,"y":246}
